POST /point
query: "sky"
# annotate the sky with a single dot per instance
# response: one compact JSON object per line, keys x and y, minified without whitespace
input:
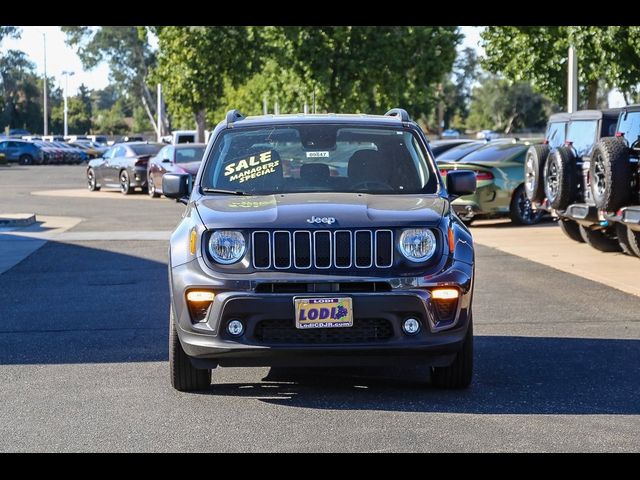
{"x":60,"y":57}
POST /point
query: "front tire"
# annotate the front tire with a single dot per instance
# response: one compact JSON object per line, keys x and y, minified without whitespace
{"x":184,"y":377}
{"x":521,"y":210}
{"x":571,"y":229}
{"x":151,"y":189}
{"x":92,"y":184}
{"x":600,"y":240}
{"x":25,"y":160}
{"x":458,"y":374}
{"x":125,"y":183}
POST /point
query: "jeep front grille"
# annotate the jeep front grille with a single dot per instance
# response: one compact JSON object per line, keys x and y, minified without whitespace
{"x":322,"y":249}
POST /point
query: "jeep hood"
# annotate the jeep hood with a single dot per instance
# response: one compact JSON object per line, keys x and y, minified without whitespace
{"x":292,"y":210}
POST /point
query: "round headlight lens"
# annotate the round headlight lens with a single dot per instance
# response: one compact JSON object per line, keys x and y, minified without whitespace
{"x":417,"y":244}
{"x":227,"y":246}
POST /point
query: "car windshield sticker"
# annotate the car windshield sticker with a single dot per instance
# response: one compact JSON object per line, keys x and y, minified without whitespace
{"x":317,"y":154}
{"x":251,"y":167}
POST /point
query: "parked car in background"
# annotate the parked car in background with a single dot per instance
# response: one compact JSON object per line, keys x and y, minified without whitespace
{"x":565,"y":186}
{"x":73,"y":155}
{"x":99,"y":139}
{"x":22,"y":152}
{"x":451,"y":133}
{"x":500,"y":183}
{"x":440,"y":146}
{"x":88,"y":148}
{"x":52,"y":155}
{"x":182,"y":158}
{"x":123,"y":166}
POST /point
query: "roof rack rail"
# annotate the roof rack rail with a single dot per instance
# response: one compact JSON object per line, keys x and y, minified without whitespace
{"x":398,"y":112}
{"x":233,"y":116}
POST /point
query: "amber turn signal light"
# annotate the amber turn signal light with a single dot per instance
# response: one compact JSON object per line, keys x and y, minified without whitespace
{"x":445,"y":293}
{"x":200,"y":296}
{"x":192,"y":242}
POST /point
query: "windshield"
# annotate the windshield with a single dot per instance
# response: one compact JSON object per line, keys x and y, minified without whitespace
{"x":147,"y":149}
{"x":320,"y":158}
{"x":187,"y":155}
{"x":629,"y":126}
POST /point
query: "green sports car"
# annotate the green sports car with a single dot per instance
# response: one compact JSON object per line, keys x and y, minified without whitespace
{"x":499,"y":167}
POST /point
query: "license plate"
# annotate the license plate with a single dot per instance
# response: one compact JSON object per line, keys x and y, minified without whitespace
{"x":323,"y":312}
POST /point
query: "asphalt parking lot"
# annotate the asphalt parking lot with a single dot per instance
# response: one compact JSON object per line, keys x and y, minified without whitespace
{"x":84,"y":333}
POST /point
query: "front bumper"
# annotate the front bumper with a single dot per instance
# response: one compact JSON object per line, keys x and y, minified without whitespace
{"x":208,"y":344}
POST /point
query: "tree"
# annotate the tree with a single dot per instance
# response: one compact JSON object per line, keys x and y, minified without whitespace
{"x":457,"y":88}
{"x":195,"y":64}
{"x":366,"y":69}
{"x":129,"y":55}
{"x":539,"y":54}
{"x":498,"y":104}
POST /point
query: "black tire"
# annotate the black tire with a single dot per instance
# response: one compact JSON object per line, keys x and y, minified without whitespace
{"x":184,"y":377}
{"x":610,"y":174}
{"x":92,"y":184}
{"x":457,"y":375}
{"x":634,"y":241}
{"x":571,"y":229}
{"x":125,"y":183}
{"x":521,"y":210}
{"x":560,"y":180}
{"x":25,"y":159}
{"x":602,"y":240}
{"x":623,"y":239}
{"x":534,"y":172}
{"x":151,"y":189}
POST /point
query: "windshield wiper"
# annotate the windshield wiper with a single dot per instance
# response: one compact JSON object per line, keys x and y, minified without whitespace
{"x":223,"y":192}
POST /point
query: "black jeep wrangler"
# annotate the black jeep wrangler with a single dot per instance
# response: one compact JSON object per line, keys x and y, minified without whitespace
{"x":614,"y":174}
{"x":558,"y":177}
{"x":320,"y":240}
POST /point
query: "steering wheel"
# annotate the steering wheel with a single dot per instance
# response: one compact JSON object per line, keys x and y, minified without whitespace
{"x":369,"y":185}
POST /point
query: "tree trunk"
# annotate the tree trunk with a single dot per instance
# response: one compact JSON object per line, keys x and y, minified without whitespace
{"x":592,"y":94}
{"x":150,"y":115}
{"x":200,"y":125}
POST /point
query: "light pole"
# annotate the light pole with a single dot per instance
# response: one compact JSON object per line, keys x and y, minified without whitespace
{"x":46,"y":123}
{"x":67,"y":74}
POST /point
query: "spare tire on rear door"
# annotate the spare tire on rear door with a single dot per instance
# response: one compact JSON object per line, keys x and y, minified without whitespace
{"x":534,"y":172}
{"x":560,"y":178}
{"x":610,"y":174}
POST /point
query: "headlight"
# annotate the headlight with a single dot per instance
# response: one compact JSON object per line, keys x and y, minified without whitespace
{"x":417,"y":244}
{"x":227,"y":246}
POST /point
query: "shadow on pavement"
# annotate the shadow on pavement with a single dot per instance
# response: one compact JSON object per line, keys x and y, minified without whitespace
{"x":513,"y":375}
{"x":68,"y":303}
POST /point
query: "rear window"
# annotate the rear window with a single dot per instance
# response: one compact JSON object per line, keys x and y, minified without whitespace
{"x":187,"y":155}
{"x":149,"y":149}
{"x":460,"y":151}
{"x":630,"y":126}
{"x":495,"y":153}
{"x":582,"y":134}
{"x":556,"y":133}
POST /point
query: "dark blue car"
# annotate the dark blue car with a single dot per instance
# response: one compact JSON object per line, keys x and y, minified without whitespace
{"x":21,"y":151}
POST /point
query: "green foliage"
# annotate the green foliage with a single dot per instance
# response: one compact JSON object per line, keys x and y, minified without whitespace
{"x":366,"y":69}
{"x":456,"y":92}
{"x":499,"y":105}
{"x":111,"y":122}
{"x":195,"y":64}
{"x":539,"y":54}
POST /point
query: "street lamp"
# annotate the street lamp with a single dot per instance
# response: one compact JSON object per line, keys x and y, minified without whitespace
{"x":67,"y":74}
{"x":44,"y":87}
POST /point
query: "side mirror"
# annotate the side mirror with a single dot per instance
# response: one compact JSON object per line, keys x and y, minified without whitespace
{"x":177,"y":186}
{"x":460,"y":182}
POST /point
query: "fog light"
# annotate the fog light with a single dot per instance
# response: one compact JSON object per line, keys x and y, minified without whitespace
{"x":235,"y":328}
{"x":411,"y":326}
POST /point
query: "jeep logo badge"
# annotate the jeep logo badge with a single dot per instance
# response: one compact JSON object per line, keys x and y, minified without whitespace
{"x":327,"y":220}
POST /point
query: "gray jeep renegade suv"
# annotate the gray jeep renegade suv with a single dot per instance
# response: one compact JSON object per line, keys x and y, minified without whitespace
{"x":319,"y":240}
